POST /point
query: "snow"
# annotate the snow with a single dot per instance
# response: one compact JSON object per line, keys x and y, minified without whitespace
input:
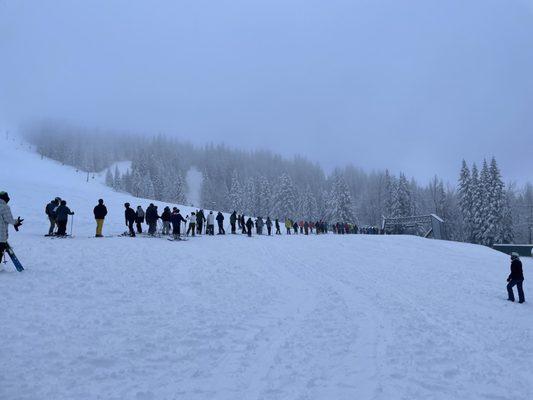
{"x":290,"y":317}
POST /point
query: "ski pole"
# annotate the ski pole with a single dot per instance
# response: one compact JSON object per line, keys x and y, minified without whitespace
{"x":71,"y":225}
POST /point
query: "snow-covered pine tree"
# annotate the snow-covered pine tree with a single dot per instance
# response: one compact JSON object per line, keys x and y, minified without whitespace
{"x":477,"y":191}
{"x":117,"y":182}
{"x":136,"y":183}
{"x":402,"y":199}
{"x":284,"y":200}
{"x":390,"y":190}
{"x":495,"y":204}
{"x":465,"y":193}
{"x":340,"y":201}
{"x":264,"y":197}
{"x":147,"y":187}
{"x":109,"y":181}
{"x":236,"y":193}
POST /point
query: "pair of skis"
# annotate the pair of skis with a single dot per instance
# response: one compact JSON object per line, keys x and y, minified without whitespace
{"x":14,"y":259}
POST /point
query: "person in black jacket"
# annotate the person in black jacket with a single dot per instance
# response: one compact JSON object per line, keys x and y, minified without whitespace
{"x":249,"y":226}
{"x":243,"y":225}
{"x":269,"y":226}
{"x":62,"y":213}
{"x":233,"y":222}
{"x":200,"y":219}
{"x":165,"y":217}
{"x":278,"y":231}
{"x":516,"y":277}
{"x":130,"y":215}
{"x":139,"y":219}
{"x":220,"y":222}
{"x":176,"y":219}
{"x":52,"y":215}
{"x":151,"y":218}
{"x":100,"y":211}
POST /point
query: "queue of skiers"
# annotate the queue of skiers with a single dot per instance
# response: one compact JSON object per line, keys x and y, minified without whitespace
{"x":58,"y":212}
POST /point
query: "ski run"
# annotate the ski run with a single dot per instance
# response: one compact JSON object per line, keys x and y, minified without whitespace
{"x":231,"y":317}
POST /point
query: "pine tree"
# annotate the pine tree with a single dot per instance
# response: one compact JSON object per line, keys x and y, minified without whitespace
{"x":109,"y":181}
{"x":117,"y":183}
{"x":390,"y":189}
{"x":284,"y":199}
{"x":402,"y":199}
{"x":477,"y":205}
{"x":466,"y":201}
{"x":340,"y":201}
{"x":147,"y":187}
{"x":236,"y":193}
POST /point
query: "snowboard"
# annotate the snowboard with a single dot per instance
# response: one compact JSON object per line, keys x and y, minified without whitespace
{"x":12,"y":255}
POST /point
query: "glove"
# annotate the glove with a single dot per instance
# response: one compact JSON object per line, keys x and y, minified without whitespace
{"x":18,"y":223}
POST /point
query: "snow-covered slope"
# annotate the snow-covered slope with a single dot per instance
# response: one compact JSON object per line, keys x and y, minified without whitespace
{"x":291,"y":317}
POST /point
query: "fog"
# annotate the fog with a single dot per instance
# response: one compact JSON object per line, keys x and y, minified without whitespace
{"x":409,"y":85}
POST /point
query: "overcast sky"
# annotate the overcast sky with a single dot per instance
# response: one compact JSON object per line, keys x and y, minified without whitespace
{"x":410,"y":85}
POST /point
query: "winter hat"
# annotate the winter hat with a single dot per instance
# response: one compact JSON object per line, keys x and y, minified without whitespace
{"x":4,"y":196}
{"x":127,"y":205}
{"x":100,"y":201}
{"x":175,"y":208}
{"x":514,"y":255}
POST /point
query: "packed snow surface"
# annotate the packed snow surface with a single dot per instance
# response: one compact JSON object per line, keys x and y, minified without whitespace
{"x":231,"y":317}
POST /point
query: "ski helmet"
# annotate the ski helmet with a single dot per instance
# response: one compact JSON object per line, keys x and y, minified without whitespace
{"x":4,"y":196}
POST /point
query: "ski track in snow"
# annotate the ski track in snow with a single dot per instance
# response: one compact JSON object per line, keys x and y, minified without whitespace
{"x":229,"y":317}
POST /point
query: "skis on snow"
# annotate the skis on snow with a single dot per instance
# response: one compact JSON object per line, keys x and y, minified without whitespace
{"x":14,"y":259}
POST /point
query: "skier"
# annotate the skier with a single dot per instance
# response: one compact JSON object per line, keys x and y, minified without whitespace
{"x":278,"y":231}
{"x":210,"y":229}
{"x":192,"y":224}
{"x":516,"y":277}
{"x":233,"y":221}
{"x":200,"y":219}
{"x":62,"y":214}
{"x":52,"y":215}
{"x":249,"y":226}
{"x":176,"y":219}
{"x":151,"y":218}
{"x":100,"y":211}
{"x":139,"y":219}
{"x":130,"y":216}
{"x":243,"y":225}
{"x":306,"y":227}
{"x":6,"y":219}
{"x":269,"y":226}
{"x":301,"y":225}
{"x":288,"y":225}
{"x":220,"y":222}
{"x":295,"y":227}
{"x":259,"y":225}
{"x":165,"y":217}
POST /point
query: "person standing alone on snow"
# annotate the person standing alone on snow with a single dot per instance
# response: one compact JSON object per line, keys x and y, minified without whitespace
{"x":129,"y":216}
{"x":516,"y":277}
{"x":6,"y":219}
{"x":62,"y":218}
{"x":100,"y":211}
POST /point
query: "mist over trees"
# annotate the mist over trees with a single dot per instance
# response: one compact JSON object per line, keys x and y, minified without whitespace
{"x":479,"y":209}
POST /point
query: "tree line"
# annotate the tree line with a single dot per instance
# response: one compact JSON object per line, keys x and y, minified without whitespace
{"x":481,"y":208}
